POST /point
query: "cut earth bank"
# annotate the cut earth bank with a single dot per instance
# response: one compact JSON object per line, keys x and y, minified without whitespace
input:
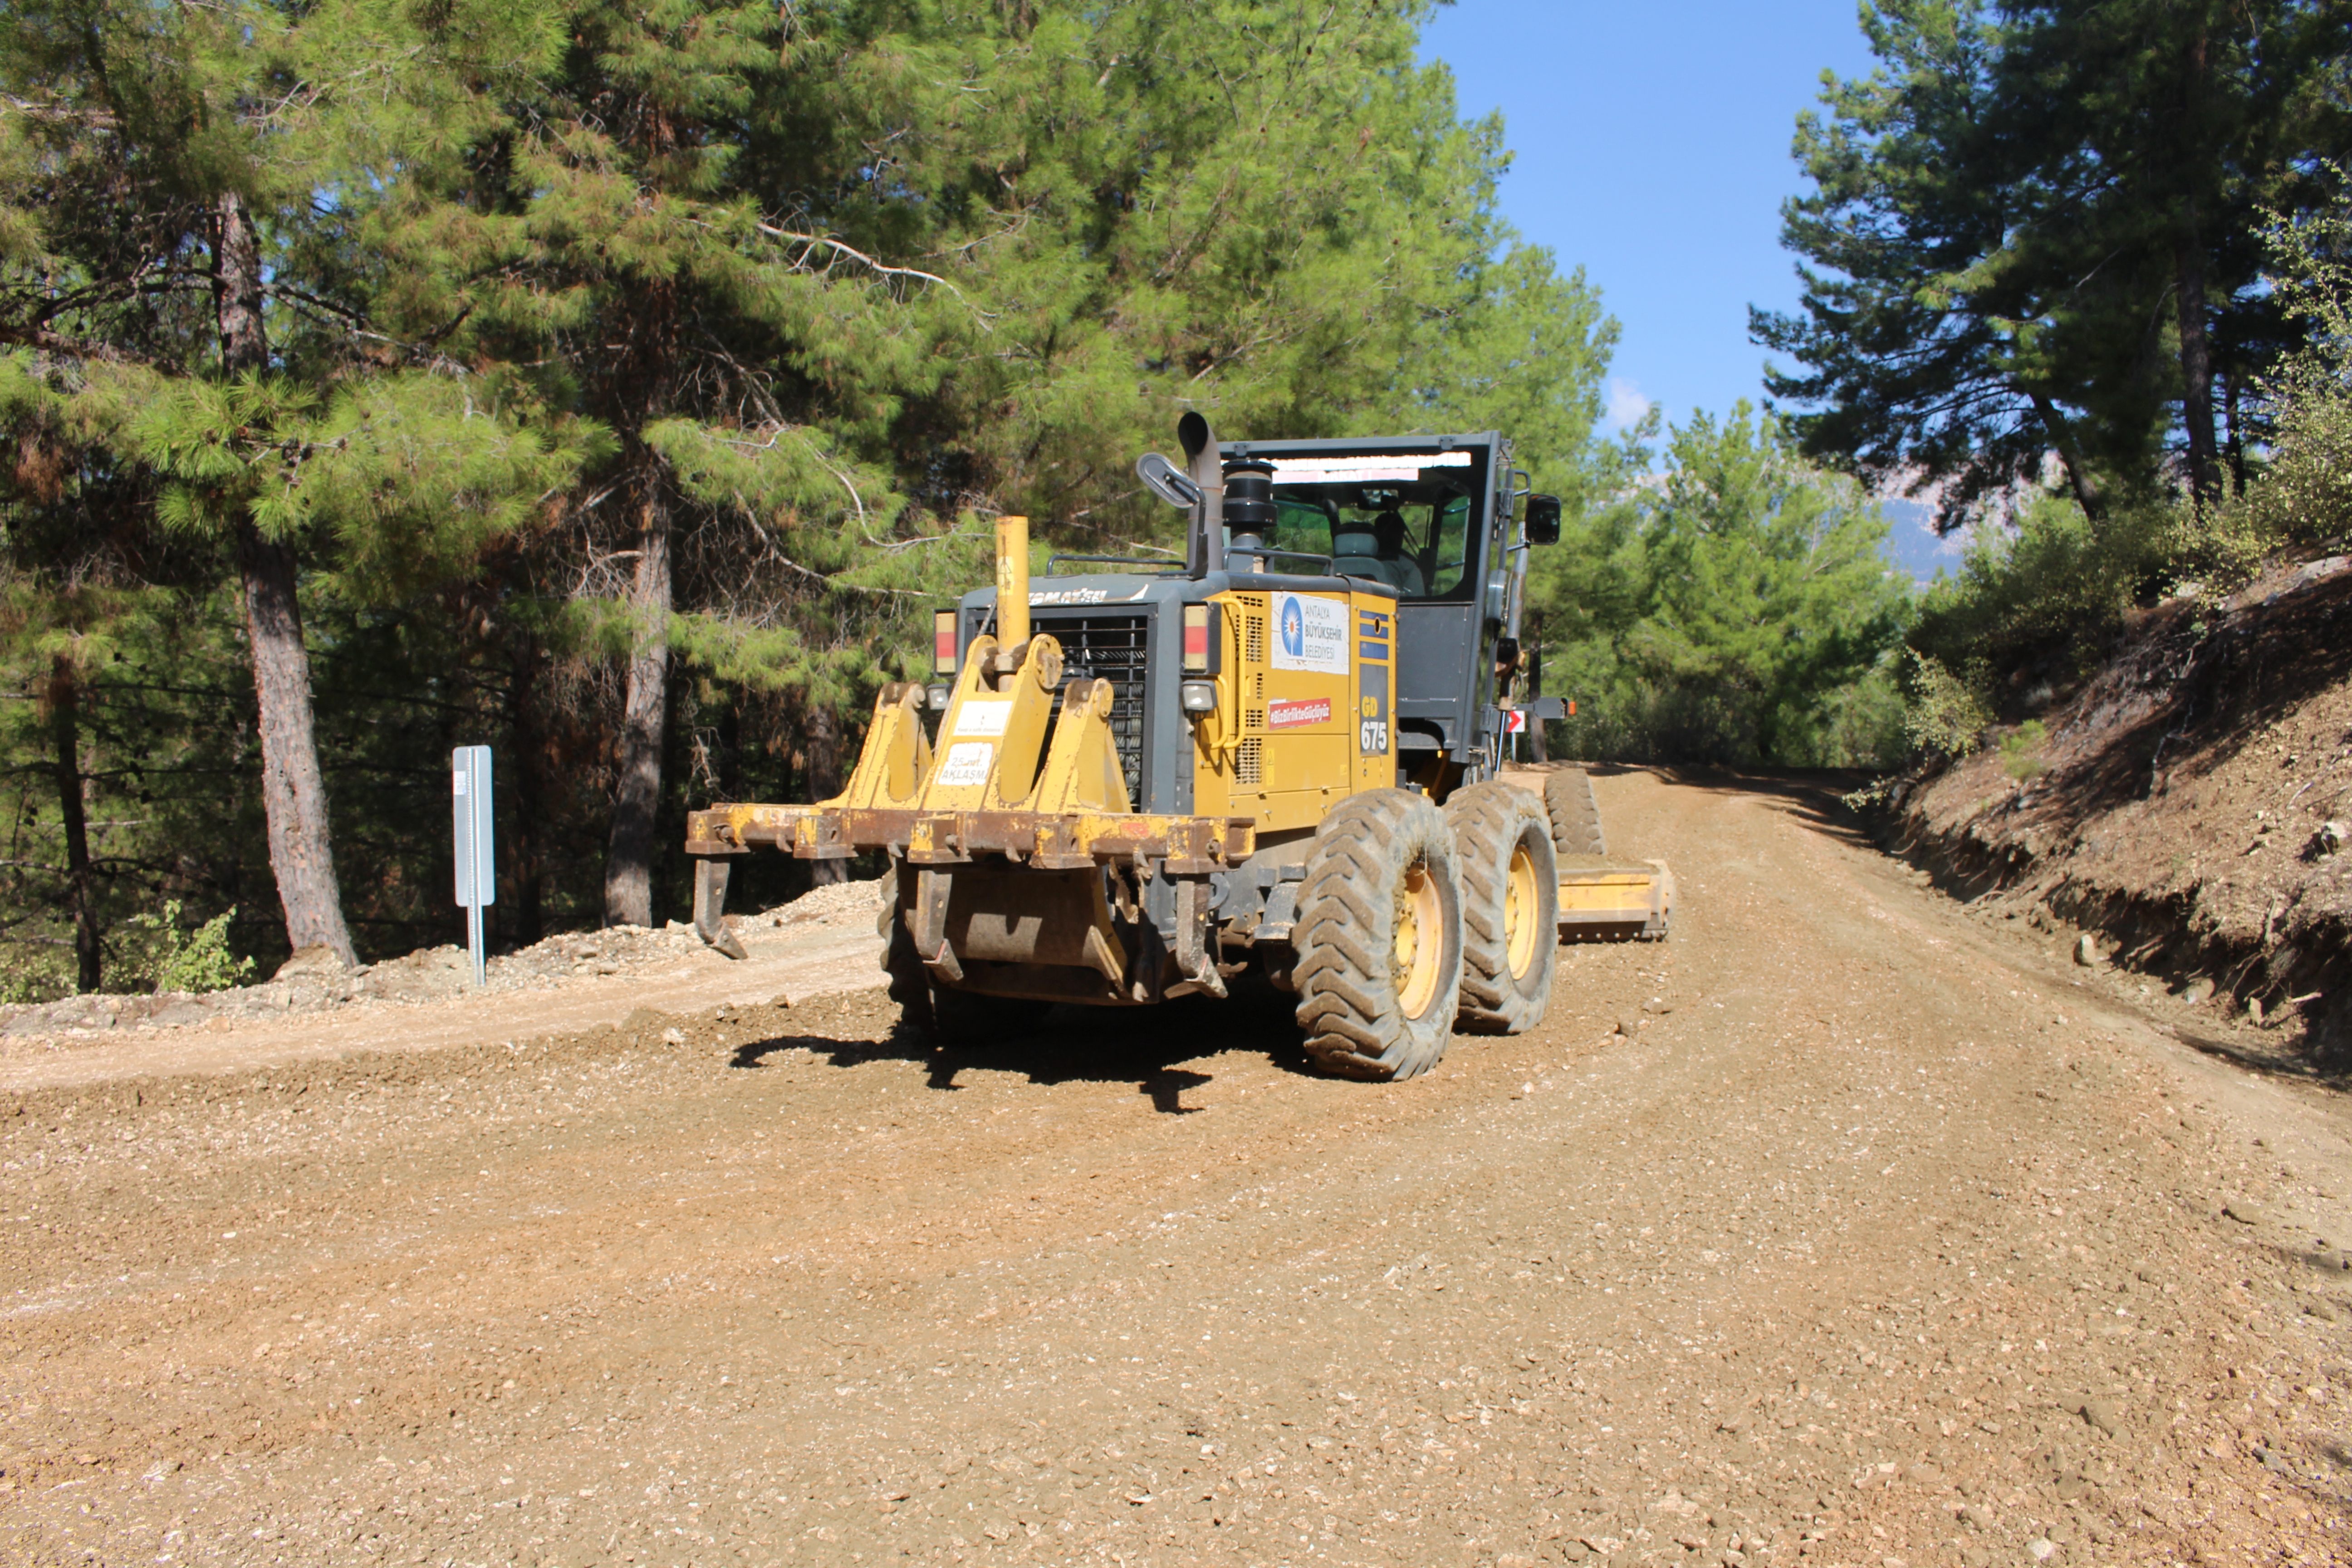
{"x":1843,"y":1228}
{"x":2180,"y":824}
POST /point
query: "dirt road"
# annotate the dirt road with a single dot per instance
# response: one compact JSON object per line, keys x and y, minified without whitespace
{"x":1875,"y":1240}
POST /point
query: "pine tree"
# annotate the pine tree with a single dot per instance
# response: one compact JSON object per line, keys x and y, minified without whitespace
{"x":2031,"y":233}
{"x":1726,"y":612}
{"x":169,"y":172}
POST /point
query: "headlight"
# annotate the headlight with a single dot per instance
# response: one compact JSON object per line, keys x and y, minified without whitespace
{"x":938,"y":696}
{"x":1198,"y":695}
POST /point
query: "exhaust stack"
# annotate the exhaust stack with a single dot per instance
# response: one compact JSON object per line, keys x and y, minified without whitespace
{"x":1206,"y":468}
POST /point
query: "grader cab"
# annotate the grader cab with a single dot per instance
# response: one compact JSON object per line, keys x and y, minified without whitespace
{"x":1280,"y":755}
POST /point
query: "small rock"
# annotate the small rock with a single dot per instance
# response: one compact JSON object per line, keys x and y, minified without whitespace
{"x":672,"y":1036}
{"x":318,"y":961}
{"x":2330,"y":838}
{"x":1926,"y":1474}
{"x":2197,"y":992}
{"x":2087,"y":951}
{"x":1977,"y":1516}
{"x":2042,"y":1549}
{"x":1629,"y":1026}
{"x":2245,"y":1211}
{"x":2103,"y":1414}
{"x":2254,"y":1011}
{"x":2323,"y":1311}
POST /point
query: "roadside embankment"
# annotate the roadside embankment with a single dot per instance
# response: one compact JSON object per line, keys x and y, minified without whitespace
{"x":2179,"y":821}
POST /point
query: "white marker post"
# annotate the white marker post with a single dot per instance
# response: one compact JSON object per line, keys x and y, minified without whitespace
{"x":478,"y":865}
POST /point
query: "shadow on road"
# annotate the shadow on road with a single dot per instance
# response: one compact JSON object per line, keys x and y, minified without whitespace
{"x":1147,"y":1047}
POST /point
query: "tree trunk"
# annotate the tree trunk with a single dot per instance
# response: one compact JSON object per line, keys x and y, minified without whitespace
{"x":293,"y":793}
{"x":823,"y":749}
{"x":2196,"y":362}
{"x":2188,"y":293}
{"x":82,"y":883}
{"x":2062,"y":441}
{"x":628,"y":864}
{"x":523,"y":739}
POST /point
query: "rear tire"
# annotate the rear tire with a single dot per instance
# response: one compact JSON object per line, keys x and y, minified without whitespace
{"x":1575,"y":814}
{"x":1379,"y":937}
{"x":1510,"y":907}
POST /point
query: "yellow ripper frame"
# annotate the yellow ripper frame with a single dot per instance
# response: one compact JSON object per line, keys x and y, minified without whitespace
{"x":998,"y":785}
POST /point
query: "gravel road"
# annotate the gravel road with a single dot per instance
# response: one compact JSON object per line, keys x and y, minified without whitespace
{"x":1841,"y":1228}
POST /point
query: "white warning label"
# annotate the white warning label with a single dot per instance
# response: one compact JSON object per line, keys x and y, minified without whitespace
{"x":967,"y":763}
{"x":979,"y":718}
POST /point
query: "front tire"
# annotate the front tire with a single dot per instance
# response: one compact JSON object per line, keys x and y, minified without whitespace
{"x":1379,"y":937}
{"x":1510,"y":907}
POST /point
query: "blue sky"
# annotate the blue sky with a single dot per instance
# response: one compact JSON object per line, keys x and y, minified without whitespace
{"x":1652,"y":144}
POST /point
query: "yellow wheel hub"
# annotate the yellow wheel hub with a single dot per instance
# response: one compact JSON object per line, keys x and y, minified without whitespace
{"x":1419,"y":941}
{"x":1521,"y":901}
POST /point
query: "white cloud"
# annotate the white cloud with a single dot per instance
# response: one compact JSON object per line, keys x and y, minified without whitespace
{"x":1626,"y":405}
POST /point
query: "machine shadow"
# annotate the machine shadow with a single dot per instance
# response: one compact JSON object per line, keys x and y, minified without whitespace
{"x":1147,"y":1047}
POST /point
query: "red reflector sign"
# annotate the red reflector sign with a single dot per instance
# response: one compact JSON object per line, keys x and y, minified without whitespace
{"x":943,"y":641}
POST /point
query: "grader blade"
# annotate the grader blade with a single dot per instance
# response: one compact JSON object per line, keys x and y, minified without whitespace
{"x":1604,"y":900}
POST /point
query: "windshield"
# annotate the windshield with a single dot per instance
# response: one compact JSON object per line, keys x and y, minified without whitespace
{"x":1408,"y":527}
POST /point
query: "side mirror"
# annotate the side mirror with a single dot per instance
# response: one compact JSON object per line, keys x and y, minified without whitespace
{"x":1166,"y":480}
{"x":1543,"y":519}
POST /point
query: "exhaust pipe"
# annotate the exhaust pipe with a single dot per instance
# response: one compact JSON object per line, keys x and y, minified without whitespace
{"x":1206,"y":548}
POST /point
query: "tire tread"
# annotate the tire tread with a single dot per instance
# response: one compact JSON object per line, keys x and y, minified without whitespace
{"x":1489,"y":820}
{"x":1347,"y":998}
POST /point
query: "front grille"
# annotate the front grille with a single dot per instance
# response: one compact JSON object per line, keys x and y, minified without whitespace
{"x":1249,"y":761}
{"x":1112,"y":648}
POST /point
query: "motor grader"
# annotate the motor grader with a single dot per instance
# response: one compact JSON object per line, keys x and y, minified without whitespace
{"x":1148,"y":778}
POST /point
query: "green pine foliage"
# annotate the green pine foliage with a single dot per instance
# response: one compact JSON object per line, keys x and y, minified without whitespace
{"x":1740,"y":609}
{"x":809,"y":292}
{"x":2031,"y":235}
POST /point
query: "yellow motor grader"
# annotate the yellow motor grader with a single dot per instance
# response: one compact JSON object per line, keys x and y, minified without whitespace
{"x":1139,"y":782}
